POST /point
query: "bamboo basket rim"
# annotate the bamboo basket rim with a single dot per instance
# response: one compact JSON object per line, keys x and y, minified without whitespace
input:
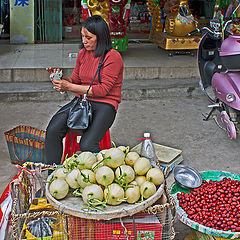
{"x":73,"y":205}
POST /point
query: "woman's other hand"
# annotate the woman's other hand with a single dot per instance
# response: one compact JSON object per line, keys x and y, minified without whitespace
{"x":61,"y":86}
{"x":51,"y":71}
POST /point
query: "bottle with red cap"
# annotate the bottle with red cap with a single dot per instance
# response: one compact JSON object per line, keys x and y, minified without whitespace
{"x":147,"y":149}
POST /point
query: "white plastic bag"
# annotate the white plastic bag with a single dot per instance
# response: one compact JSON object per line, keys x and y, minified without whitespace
{"x":6,"y":202}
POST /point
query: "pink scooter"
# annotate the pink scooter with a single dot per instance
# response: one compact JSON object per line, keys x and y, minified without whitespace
{"x":219,"y":70}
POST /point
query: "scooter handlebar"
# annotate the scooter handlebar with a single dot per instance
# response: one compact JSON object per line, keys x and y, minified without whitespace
{"x":216,"y":34}
{"x":197,"y":30}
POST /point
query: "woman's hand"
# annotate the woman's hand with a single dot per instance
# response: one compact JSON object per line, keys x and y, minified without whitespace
{"x":62,"y":85}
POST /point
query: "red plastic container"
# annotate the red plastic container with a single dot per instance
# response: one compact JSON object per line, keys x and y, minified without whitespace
{"x":144,"y":226}
{"x":72,"y":143}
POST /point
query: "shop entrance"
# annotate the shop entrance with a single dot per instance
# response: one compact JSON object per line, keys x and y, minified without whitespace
{"x":60,"y":20}
{"x":72,"y":17}
{"x":48,"y":20}
{"x":138,"y":25}
{"x":139,"y":21}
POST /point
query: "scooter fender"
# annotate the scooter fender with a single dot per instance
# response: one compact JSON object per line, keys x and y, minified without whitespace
{"x":226,"y":87}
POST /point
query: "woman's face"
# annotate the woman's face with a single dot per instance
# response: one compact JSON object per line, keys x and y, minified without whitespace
{"x":89,"y":40}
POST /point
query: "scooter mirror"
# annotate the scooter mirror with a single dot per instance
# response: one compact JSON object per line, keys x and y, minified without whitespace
{"x":238,"y":6}
{"x":183,"y":11}
{"x":215,"y":24}
{"x":231,"y":10}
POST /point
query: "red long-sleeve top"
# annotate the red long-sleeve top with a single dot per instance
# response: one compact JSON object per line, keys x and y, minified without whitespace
{"x":111,"y":75}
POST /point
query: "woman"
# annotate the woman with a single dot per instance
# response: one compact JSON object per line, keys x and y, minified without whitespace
{"x":104,"y":96}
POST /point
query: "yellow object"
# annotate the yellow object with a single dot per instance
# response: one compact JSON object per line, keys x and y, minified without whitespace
{"x":157,"y":24}
{"x":169,"y":42}
{"x":191,"y":236}
{"x":236,"y":29}
{"x":177,"y":25}
{"x":100,"y":8}
{"x":150,"y":7}
{"x":39,"y":205}
{"x":155,"y":12}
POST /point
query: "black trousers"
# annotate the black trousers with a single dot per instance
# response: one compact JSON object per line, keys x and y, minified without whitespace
{"x":103,"y":117}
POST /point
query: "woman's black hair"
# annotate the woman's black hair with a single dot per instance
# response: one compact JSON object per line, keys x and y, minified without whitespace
{"x":97,"y":26}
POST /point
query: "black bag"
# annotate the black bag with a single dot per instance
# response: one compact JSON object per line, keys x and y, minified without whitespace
{"x":80,"y":114}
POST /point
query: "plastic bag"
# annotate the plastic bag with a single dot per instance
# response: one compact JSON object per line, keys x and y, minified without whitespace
{"x":6,"y":202}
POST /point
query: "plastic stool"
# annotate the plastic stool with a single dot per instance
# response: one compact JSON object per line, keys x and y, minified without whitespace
{"x":72,"y":143}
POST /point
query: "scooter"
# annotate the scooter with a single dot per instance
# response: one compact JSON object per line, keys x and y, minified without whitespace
{"x":219,"y":69}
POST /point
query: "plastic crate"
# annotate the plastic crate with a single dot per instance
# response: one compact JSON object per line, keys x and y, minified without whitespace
{"x":154,"y":223}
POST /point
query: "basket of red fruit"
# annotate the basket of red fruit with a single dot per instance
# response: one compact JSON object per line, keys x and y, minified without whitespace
{"x":214,"y":207}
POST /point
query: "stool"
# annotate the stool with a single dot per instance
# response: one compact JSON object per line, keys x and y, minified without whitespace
{"x":72,"y":143}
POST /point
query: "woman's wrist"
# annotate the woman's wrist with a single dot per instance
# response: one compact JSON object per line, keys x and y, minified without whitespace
{"x":79,"y":89}
{"x":67,"y":79}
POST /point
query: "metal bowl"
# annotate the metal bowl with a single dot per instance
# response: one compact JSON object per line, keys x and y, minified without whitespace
{"x":187,"y":177}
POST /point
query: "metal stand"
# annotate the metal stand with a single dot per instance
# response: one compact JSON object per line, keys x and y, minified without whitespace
{"x":206,"y":118}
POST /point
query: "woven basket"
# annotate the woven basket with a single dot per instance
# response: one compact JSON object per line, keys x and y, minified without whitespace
{"x":25,"y":144}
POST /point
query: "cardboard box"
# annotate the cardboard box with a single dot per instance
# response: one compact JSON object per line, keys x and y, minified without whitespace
{"x":145,"y":227}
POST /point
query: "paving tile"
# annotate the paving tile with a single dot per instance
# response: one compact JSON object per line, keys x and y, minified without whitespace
{"x":30,"y":75}
{"x":141,"y":72}
{"x":141,"y":60}
{"x":178,"y":72}
{"x":5,"y":75}
{"x":39,"y":58}
{"x":71,"y":47}
{"x":69,"y":62}
{"x":45,"y":46}
{"x":9,"y":55}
